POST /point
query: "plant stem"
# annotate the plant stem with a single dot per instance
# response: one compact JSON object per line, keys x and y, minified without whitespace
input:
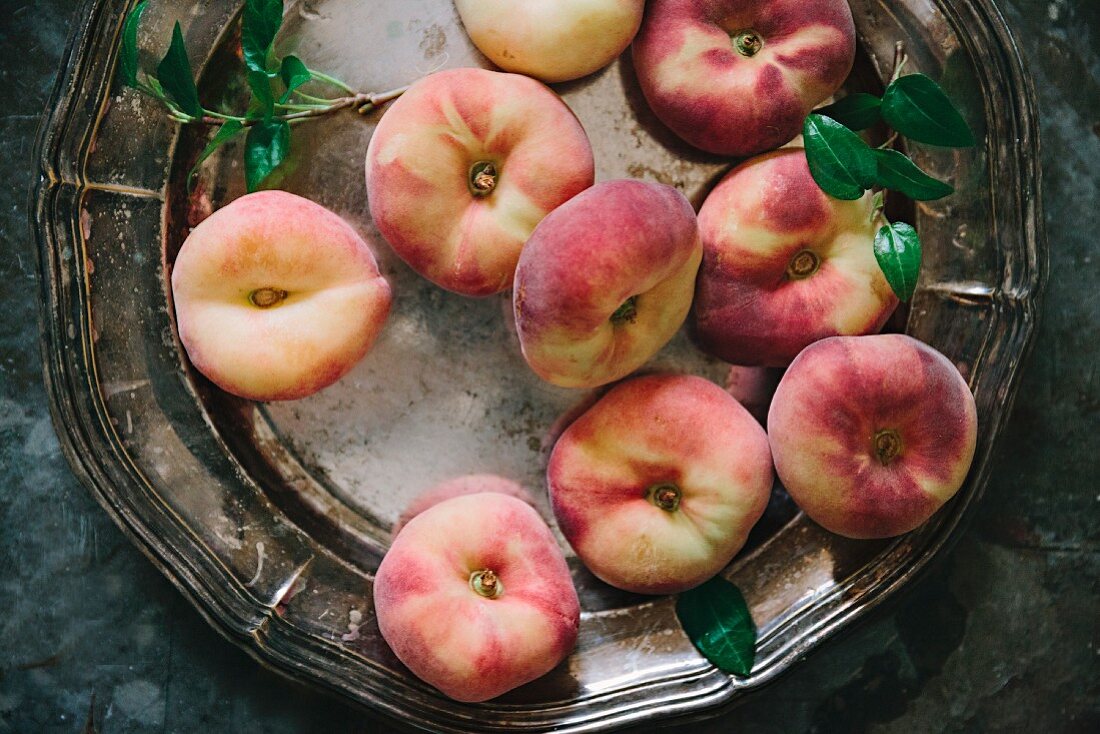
{"x":221,"y":115}
{"x":900,"y":60}
{"x":364,"y":102}
{"x":331,"y":80}
{"x":890,"y":140}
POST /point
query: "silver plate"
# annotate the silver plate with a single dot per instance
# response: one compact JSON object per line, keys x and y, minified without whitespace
{"x":271,"y":519}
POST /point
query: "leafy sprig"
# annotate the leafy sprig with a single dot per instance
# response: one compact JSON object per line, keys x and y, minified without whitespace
{"x":845,"y":166}
{"x":277,"y":99}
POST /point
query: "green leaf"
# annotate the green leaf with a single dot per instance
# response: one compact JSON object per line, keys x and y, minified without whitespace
{"x":174,"y":73}
{"x":262,"y":97}
{"x":717,"y":621}
{"x":919,"y":109}
{"x":266,"y":146}
{"x":898,"y":173}
{"x":841,"y":163}
{"x":128,"y":54}
{"x":259,"y":24}
{"x":897,"y":249}
{"x":856,"y":111}
{"x":229,"y":130}
{"x":294,"y":74}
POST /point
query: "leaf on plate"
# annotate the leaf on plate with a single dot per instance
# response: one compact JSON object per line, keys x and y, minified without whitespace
{"x":263,"y":99}
{"x":259,"y":24}
{"x":229,"y":130}
{"x":898,"y":173}
{"x":266,"y":146}
{"x":128,"y":54}
{"x":918,"y":108}
{"x":294,"y":74}
{"x":856,"y":111}
{"x":717,"y":621}
{"x":840,"y":162}
{"x":174,"y":74}
{"x":898,"y":251}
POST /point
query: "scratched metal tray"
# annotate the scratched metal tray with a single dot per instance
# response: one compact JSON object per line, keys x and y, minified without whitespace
{"x":271,"y":519}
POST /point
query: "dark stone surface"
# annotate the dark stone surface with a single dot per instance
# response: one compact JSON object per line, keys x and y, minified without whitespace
{"x":1003,"y":636}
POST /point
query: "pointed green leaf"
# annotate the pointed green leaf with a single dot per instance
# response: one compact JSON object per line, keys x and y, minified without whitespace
{"x":841,"y":163}
{"x":266,"y":146}
{"x":898,"y":173}
{"x":897,"y":249}
{"x":919,"y":109}
{"x":294,"y":74}
{"x":263,"y":99}
{"x":856,"y":111}
{"x":226,"y":132}
{"x":174,"y":73}
{"x":128,"y":54}
{"x":259,"y":24}
{"x":717,"y":621}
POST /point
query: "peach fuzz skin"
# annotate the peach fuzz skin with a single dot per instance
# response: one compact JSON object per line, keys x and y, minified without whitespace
{"x":830,"y":427}
{"x":733,"y":102}
{"x":457,"y":487}
{"x":330,"y":302}
{"x":656,"y":432}
{"x":763,"y":221}
{"x":423,"y":165}
{"x":470,"y":646}
{"x":605,"y":281}
{"x":552,"y":40}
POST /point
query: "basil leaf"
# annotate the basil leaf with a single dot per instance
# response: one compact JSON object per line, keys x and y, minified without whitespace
{"x":174,"y":73}
{"x":898,"y":173}
{"x":919,"y":109}
{"x":717,"y":621}
{"x":263,"y":99}
{"x":259,"y":24}
{"x":856,"y":111}
{"x":128,"y":54}
{"x":266,"y":146}
{"x":226,"y":132}
{"x":840,"y":162}
{"x":294,"y":74}
{"x":897,"y":249}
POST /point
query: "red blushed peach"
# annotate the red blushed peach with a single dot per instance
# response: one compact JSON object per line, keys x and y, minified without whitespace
{"x":871,"y":435}
{"x":657,"y":486}
{"x":784,"y":264}
{"x":475,"y":598}
{"x":276,"y":297}
{"x":552,"y":40}
{"x":463,"y":166}
{"x":738,"y":77}
{"x":605,"y":281}
{"x":458,"y":487}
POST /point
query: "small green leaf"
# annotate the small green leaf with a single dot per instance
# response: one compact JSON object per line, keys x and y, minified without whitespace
{"x":263,"y":99}
{"x":174,"y":73}
{"x":128,"y":54}
{"x":919,"y":109}
{"x":259,"y":24}
{"x":229,"y":130}
{"x":294,"y":74}
{"x":898,"y":173}
{"x":897,"y":249}
{"x":717,"y":621}
{"x":841,"y":163}
{"x":266,"y":146}
{"x":856,"y":111}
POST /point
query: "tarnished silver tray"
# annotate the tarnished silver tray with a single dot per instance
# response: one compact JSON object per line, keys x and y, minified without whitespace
{"x":272,"y":518}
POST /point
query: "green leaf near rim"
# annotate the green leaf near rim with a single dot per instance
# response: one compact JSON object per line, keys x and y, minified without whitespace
{"x":229,"y":130}
{"x":717,"y":621}
{"x":263,"y":99}
{"x":898,"y":251}
{"x":266,"y":146}
{"x":294,"y":74}
{"x":174,"y":74}
{"x":128,"y":54}
{"x":856,"y":111}
{"x":259,"y":24}
{"x":918,"y":108}
{"x":840,"y":162}
{"x":897,"y":173}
